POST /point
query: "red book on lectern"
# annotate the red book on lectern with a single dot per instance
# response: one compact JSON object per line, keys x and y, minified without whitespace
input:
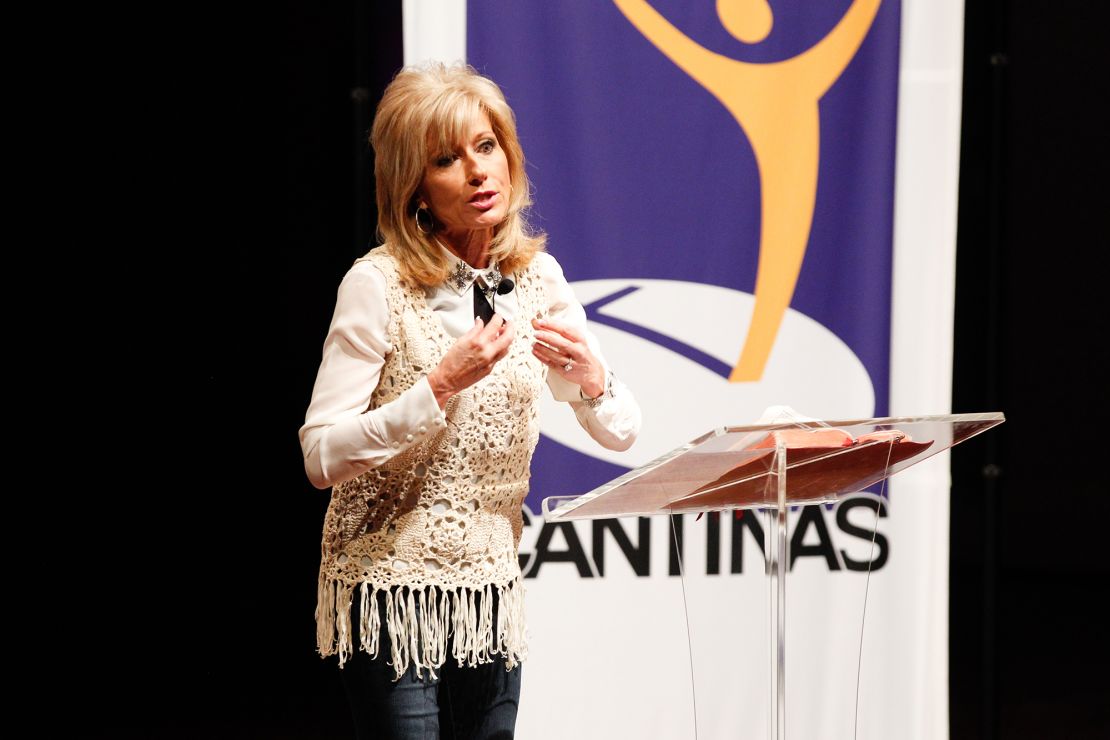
{"x":821,"y":463}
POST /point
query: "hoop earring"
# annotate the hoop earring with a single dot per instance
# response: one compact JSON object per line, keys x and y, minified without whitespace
{"x":428,"y":216}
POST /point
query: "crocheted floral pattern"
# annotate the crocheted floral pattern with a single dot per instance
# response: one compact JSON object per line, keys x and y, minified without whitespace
{"x":444,"y":516}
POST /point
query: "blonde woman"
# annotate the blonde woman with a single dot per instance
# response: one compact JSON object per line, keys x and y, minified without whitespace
{"x":423,"y":417}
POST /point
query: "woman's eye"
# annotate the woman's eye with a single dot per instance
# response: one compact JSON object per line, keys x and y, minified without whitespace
{"x":446,"y":160}
{"x":487,"y":146}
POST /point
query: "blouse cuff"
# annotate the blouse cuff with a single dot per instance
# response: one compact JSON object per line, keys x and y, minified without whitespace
{"x":615,"y":421}
{"x":413,"y":416}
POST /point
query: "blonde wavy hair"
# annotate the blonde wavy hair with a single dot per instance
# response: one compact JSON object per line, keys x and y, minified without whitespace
{"x":425,"y":111}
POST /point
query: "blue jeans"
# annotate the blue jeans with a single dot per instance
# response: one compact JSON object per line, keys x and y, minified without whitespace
{"x":463,"y":703}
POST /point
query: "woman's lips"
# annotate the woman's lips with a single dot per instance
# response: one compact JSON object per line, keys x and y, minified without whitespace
{"x":484,"y":200}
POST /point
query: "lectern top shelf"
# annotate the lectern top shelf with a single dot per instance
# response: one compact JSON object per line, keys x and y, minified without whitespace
{"x":735,"y":467}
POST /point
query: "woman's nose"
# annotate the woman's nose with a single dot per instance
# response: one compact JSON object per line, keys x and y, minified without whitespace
{"x":475,"y":171}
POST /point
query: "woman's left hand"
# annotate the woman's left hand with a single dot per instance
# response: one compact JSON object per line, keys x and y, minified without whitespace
{"x":568,"y":354}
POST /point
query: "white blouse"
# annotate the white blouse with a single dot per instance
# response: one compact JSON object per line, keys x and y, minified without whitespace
{"x":342,"y":438}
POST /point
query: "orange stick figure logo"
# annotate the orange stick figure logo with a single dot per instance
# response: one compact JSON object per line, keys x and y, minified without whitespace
{"x":776,"y":106}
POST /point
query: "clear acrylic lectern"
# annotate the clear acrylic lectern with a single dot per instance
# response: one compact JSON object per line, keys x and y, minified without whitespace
{"x":773,"y":467}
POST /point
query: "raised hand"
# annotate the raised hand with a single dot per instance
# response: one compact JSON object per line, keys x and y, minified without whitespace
{"x":471,"y":357}
{"x":565,"y":350}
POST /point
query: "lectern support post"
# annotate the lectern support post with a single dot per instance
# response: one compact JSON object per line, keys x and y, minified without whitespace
{"x":777,"y":563}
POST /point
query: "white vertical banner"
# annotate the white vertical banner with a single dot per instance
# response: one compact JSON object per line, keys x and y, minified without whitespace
{"x":925,"y":211}
{"x":756,"y":203}
{"x":433,"y":30}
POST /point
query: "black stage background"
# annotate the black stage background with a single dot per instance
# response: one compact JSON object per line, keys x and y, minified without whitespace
{"x":190,"y":610}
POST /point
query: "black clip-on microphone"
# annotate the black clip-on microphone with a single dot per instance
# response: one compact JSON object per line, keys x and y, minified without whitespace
{"x":504,"y":287}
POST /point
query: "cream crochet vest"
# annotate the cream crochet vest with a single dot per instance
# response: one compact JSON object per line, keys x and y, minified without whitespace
{"x":440,"y":523}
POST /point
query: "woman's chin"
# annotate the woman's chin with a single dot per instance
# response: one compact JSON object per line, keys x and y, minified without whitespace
{"x":479,"y":221}
{"x":489,"y":219}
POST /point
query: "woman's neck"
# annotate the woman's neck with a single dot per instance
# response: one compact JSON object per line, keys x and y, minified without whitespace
{"x":472,"y":247}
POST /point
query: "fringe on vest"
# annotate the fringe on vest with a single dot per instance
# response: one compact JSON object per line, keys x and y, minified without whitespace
{"x":421,"y":621}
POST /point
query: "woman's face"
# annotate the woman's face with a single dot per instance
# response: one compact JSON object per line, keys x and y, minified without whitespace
{"x":468,"y":189}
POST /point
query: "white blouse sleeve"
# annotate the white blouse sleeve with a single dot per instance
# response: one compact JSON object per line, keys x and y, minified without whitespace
{"x":615,"y":422}
{"x":341,"y":437}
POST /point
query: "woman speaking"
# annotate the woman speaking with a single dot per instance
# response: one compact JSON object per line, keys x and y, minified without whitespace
{"x":423,"y":416}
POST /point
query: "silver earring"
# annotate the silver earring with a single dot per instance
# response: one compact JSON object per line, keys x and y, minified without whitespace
{"x":428,"y":218}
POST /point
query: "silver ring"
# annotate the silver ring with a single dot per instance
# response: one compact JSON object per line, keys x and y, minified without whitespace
{"x":568,"y":367}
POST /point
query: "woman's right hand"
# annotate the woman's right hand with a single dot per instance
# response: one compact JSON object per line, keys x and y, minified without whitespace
{"x":471,"y":357}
